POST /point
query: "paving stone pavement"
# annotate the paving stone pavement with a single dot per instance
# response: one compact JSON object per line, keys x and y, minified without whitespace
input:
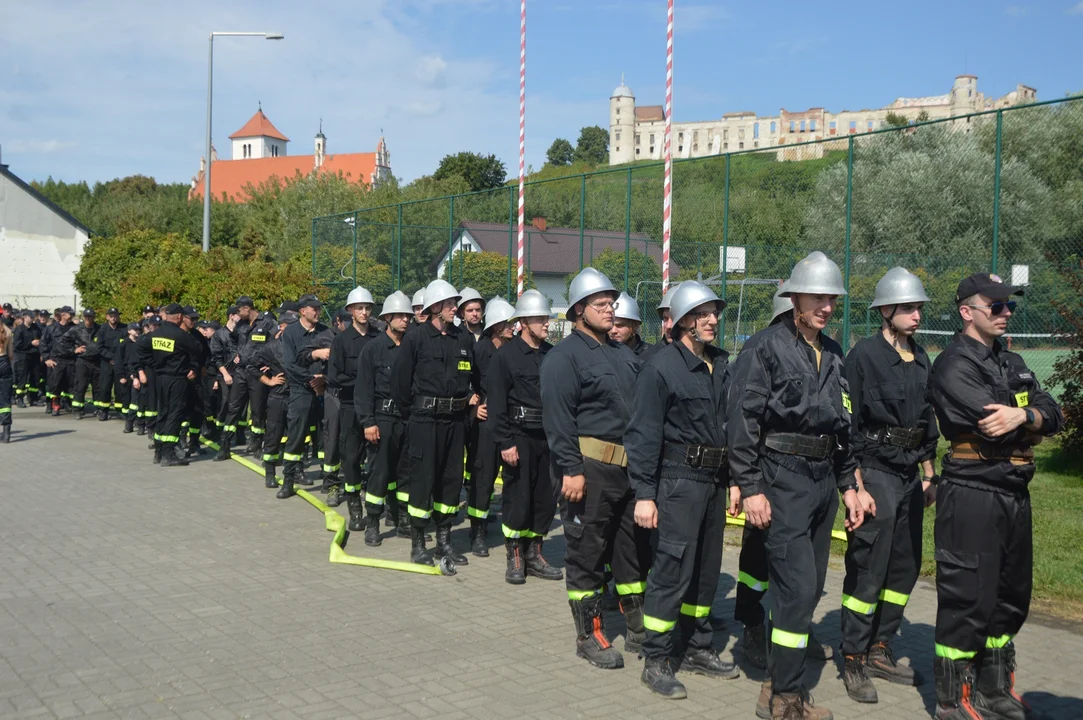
{"x":133,"y":591}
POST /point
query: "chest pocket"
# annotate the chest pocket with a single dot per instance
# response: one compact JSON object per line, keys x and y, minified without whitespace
{"x":598,"y":379}
{"x":888,"y":391}
{"x":793,"y":389}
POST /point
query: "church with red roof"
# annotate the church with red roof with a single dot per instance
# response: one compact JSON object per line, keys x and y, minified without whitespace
{"x":259,"y":154}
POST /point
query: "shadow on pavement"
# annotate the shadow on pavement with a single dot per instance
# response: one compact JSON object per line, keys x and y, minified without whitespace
{"x":17,"y":436}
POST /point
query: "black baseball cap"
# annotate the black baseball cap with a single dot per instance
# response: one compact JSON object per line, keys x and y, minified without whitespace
{"x":309,"y":301}
{"x":133,"y":326}
{"x":343,"y":315}
{"x":289,"y":306}
{"x":113,"y":311}
{"x":190,"y":312}
{"x":89,"y":312}
{"x":173,"y":309}
{"x":245,"y":301}
{"x":149,"y":309}
{"x":232,"y":310}
{"x":204,"y":324}
{"x":289,"y":317}
{"x":991,"y":286}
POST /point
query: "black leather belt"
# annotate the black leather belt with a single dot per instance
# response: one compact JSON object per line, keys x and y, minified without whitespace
{"x":907,"y":438}
{"x":388,"y":406}
{"x":697,"y":456}
{"x":817,"y":447}
{"x":523,"y":415}
{"x":440,"y":406}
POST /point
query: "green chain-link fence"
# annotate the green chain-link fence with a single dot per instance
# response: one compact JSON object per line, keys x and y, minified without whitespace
{"x":998,"y":191}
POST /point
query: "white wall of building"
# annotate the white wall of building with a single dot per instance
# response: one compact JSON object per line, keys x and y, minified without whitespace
{"x":261,"y":147}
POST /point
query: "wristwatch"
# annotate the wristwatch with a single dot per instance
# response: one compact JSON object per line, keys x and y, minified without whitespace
{"x":1030,"y":416}
{"x":933,"y":479}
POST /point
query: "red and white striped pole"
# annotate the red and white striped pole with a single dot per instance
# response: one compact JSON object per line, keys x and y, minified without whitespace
{"x":667,"y":185}
{"x":522,"y":133}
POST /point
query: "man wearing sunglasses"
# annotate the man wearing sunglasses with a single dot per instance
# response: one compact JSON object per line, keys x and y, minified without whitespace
{"x":994,"y":412}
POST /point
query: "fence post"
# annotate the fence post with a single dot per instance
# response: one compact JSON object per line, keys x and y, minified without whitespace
{"x":582,"y":214}
{"x":725,"y":245}
{"x":511,"y":232}
{"x":846,"y":262}
{"x":996,"y":191}
{"x":354,"y":249}
{"x":450,"y":237}
{"x":398,"y":252}
{"x":627,"y":228}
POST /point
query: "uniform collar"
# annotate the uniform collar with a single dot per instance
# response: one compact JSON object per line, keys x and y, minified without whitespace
{"x":693,"y":362}
{"x":983,"y":351}
{"x":791,"y":325}
{"x":520,"y":343}
{"x":428,"y":327}
{"x":590,"y":342}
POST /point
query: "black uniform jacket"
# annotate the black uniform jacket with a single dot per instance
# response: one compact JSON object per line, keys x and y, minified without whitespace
{"x":223,"y":349}
{"x":81,"y":335}
{"x":110,"y":339}
{"x":643,"y":349}
{"x":173,"y":352}
{"x":268,"y":354}
{"x":484,"y":349}
{"x":587,"y":390}
{"x":342,"y":366}
{"x":373,"y":385}
{"x":48,"y":337}
{"x":293,"y":340}
{"x":23,"y":337}
{"x":776,"y":388}
{"x":64,"y":342}
{"x":433,"y":364}
{"x":514,"y":380}
{"x":967,"y":376}
{"x":261,"y":333}
{"x":678,"y":402}
{"x":886,"y":391}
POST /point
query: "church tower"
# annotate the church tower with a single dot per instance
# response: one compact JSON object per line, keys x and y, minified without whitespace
{"x":258,"y":139}
{"x":320,"y":147}
{"x":622,"y":125}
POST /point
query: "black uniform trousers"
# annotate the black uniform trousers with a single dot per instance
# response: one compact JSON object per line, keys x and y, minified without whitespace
{"x":277,"y":408}
{"x":984,"y":567}
{"x":331,"y":428}
{"x":529,"y":495}
{"x":111,"y":393}
{"x":7,"y":390}
{"x":882,"y":561}
{"x":210,"y":400}
{"x":87,"y":375}
{"x":387,"y":466}
{"x":257,"y":403}
{"x":61,"y":379}
{"x":234,"y":401}
{"x":351,"y":446}
{"x":302,"y":417}
{"x":172,"y":393}
{"x":26,"y":378}
{"x":798,"y":543}
{"x":194,"y":411}
{"x":436,"y":446}
{"x":687,"y":561}
{"x":601,"y":528}
{"x":752,"y":582}
{"x":471,"y":441}
{"x":148,"y":402}
{"x":486,"y":466}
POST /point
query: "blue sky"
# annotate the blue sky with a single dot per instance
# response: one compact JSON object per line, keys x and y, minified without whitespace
{"x":105,"y":88}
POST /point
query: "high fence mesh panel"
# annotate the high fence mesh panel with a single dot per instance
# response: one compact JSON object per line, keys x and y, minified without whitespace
{"x":998,"y":191}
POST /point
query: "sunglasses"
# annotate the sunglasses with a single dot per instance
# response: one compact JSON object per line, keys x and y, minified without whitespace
{"x":998,"y":307}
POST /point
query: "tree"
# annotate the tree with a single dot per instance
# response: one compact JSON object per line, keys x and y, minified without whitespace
{"x":486,"y":272}
{"x":896,"y":120}
{"x":1068,"y":369}
{"x":593,"y":146}
{"x":560,"y":153}
{"x":481,"y":172}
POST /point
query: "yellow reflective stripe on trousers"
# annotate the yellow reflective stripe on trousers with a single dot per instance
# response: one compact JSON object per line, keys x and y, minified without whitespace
{"x":402,"y":497}
{"x":445,"y":509}
{"x":351,"y":489}
{"x":953,"y":653}
{"x":582,"y":594}
{"x":331,"y":468}
{"x":998,"y":642}
{"x":271,"y":458}
{"x":636,"y":588}
{"x":509,"y":533}
{"x":475,"y":513}
{"x":757,"y":585}
{"x":858,"y":606}
{"x":798,"y":641}
{"x":291,"y":457}
{"x":166,"y":438}
{"x":373,"y":499}
{"x":895,"y":598}
{"x":392,"y":486}
{"x":697,"y":611}
{"x":418,"y":512}
{"x":657,"y":624}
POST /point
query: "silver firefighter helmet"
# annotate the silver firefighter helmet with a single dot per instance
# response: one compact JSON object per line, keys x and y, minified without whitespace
{"x":817,"y":274}
{"x":497,"y":311}
{"x":689,"y":296}
{"x":627,"y":308}
{"x":359,"y":295}
{"x":396,"y":302}
{"x":588,"y":282}
{"x":467,"y":294}
{"x":437,"y":292}
{"x":532,"y":303}
{"x":899,"y":286}
{"x":667,"y":299}
{"x":781,"y":303}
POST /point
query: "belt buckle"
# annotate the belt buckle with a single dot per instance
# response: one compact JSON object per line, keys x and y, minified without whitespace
{"x":520,"y":414}
{"x":827,"y":446}
{"x":694,"y":455}
{"x":428,"y":403}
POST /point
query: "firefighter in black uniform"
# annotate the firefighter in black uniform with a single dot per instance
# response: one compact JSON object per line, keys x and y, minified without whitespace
{"x":111,"y":393}
{"x":497,"y":331}
{"x":144,"y":380}
{"x":788,"y":429}
{"x":626,"y":324}
{"x":893,"y":432}
{"x":209,"y":381}
{"x":431,"y":382}
{"x":677,"y":466}
{"x":587,"y":383}
{"x":223,"y":348}
{"x":124,"y":365}
{"x":268,"y":357}
{"x":471,"y":313}
{"x":27,"y":341}
{"x":48,"y":324}
{"x":379,"y":418}
{"x":174,"y":357}
{"x":342,"y":371}
{"x":992,"y":409}
{"x":195,"y":410}
{"x":239,"y":394}
{"x":513,"y":404}
{"x":87,"y":353}
{"x":61,"y":360}
{"x":7,"y":380}
{"x":264,"y":328}
{"x":305,"y":389}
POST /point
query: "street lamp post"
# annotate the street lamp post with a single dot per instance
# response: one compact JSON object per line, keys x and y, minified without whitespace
{"x":210,"y":84}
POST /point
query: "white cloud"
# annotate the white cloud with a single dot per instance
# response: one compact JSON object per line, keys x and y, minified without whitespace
{"x":429,"y":69}
{"x":28,"y":147}
{"x":1076,"y":9}
{"x":1016,"y":10}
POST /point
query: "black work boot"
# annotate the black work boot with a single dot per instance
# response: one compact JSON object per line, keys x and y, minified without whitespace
{"x":995,"y":694}
{"x":335,"y":495}
{"x":372,"y":532}
{"x":357,"y":511}
{"x":402,"y":530}
{"x":954,"y":689}
{"x":140,"y":427}
{"x":881,"y":663}
{"x":21,"y":402}
{"x":255,"y":445}
{"x":536,"y":566}
{"x":269,"y":479}
{"x":858,"y":685}
{"x":515,"y":574}
{"x":170,"y":458}
{"x":5,"y":434}
{"x":242,"y":439}
{"x":157,"y":452}
{"x":591,"y":641}
{"x":658,"y":676}
{"x":706,"y":662}
{"x":286,"y":491}
{"x":223,"y":447}
{"x":303,"y":480}
{"x":444,"y":547}
{"x":194,"y":447}
{"x":631,"y":606}
{"x":754,"y":645}
{"x":418,"y":553}
{"x":103,"y":415}
{"x":129,"y":425}
{"x":478,"y":545}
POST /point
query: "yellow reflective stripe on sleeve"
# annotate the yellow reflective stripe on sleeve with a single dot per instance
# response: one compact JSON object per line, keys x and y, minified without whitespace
{"x":789,"y":639}
{"x":636,"y":588}
{"x":657,"y":624}
{"x":998,"y":642}
{"x":373,"y":499}
{"x":858,"y":606}
{"x":445,"y":509}
{"x":697,"y":611}
{"x":582,"y":594}
{"x":418,"y":512}
{"x":895,"y":598}
{"x":474,"y":512}
{"x":953,"y":653}
{"x":748,"y":580}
